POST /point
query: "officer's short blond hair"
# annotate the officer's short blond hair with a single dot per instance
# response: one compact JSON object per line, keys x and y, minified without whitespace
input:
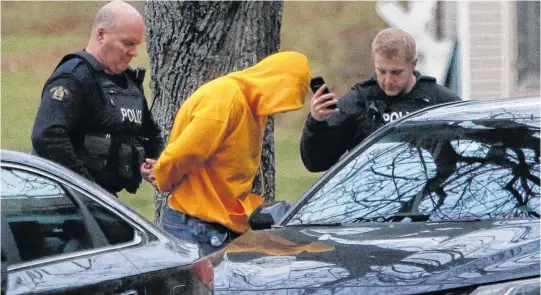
{"x":393,"y":42}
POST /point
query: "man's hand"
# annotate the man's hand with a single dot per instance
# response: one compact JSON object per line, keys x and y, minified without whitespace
{"x":319,"y":104}
{"x":146,"y":171}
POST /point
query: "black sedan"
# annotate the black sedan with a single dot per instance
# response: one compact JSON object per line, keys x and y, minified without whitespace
{"x":63,"y":235}
{"x":443,"y":201}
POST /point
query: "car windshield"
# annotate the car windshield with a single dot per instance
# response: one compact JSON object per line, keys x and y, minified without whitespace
{"x":442,"y":170}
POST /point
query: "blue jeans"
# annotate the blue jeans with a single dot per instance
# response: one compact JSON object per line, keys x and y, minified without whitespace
{"x":210,"y":237}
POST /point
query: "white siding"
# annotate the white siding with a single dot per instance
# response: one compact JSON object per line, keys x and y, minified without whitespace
{"x":449,"y":18}
{"x":492,"y":46}
{"x":487,"y":36}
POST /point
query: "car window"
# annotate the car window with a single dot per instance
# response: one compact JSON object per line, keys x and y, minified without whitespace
{"x":484,"y":169}
{"x":115,"y":229}
{"x":43,"y":219}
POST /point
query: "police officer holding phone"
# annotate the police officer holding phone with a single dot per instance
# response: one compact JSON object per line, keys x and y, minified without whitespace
{"x":397,"y":89}
{"x":93,"y":117}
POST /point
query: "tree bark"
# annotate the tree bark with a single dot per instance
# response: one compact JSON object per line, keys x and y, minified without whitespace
{"x":190,"y":43}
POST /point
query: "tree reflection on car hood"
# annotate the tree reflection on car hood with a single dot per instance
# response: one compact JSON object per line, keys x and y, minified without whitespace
{"x":378,"y":258}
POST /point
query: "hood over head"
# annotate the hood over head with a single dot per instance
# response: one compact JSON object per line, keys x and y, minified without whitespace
{"x":276,"y":84}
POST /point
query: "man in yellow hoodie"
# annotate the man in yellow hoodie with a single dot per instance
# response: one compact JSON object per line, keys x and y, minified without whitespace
{"x":215,"y":146}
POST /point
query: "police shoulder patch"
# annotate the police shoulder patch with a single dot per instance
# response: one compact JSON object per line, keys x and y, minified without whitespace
{"x":59,"y":92}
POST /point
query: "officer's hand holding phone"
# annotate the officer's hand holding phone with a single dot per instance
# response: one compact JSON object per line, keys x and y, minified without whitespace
{"x":323,"y":103}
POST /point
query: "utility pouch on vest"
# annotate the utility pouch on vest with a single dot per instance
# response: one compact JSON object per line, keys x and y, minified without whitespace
{"x":112,"y":160}
{"x":96,"y":152}
{"x":125,"y":162}
{"x":130,"y":158}
{"x":140,"y":156}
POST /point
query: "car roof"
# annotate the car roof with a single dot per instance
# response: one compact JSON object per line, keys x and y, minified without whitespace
{"x":509,"y":108}
{"x":40,"y":163}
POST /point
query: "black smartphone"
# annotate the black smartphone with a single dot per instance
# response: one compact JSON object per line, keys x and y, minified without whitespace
{"x":316,"y":83}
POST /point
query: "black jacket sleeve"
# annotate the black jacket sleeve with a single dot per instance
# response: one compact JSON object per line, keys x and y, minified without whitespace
{"x":323,"y":143}
{"x":58,"y":117}
{"x":153,"y":144}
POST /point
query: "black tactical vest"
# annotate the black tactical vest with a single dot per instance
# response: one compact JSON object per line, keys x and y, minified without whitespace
{"x":383,"y":110}
{"x":111,"y":151}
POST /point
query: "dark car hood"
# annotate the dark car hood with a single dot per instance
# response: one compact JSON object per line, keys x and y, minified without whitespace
{"x":386,"y":258}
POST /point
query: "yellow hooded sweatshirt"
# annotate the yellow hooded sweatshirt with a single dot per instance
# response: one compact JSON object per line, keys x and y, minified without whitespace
{"x":215,"y":144}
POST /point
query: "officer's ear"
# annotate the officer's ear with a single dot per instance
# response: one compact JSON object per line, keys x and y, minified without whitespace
{"x":100,"y":34}
{"x":414,"y":63}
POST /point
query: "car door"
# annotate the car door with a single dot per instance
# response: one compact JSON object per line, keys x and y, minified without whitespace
{"x":50,"y":242}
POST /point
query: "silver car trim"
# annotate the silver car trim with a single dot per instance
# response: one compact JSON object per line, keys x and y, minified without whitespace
{"x":57,"y":258}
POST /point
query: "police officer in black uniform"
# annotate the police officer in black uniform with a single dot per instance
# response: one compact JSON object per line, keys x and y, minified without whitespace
{"x":93,"y":117}
{"x":395,"y":91}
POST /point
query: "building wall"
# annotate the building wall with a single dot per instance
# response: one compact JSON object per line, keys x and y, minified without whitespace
{"x":449,"y":18}
{"x":525,"y":40}
{"x":493,"y":53}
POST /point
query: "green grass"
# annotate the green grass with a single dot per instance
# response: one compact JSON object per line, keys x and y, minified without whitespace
{"x":292,"y":179}
{"x":23,"y":45}
{"x":20,"y":97}
{"x":142,"y":202}
{"x":32,"y":46}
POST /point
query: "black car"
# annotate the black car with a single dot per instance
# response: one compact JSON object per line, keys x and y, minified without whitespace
{"x":62,"y":234}
{"x":443,"y":201}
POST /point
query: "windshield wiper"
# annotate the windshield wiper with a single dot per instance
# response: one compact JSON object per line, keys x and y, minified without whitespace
{"x":310,"y":224}
{"x":459,"y":220}
{"x":396,"y":217}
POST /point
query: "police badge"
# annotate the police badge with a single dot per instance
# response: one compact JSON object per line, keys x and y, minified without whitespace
{"x":59,"y":92}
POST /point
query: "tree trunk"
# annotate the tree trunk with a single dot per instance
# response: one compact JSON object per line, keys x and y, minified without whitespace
{"x":190,"y":43}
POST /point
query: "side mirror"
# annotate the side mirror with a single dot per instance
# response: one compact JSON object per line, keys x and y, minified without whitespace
{"x":268,"y":214}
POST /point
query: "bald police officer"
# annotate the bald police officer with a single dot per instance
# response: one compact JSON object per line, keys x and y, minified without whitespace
{"x":93,"y":117}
